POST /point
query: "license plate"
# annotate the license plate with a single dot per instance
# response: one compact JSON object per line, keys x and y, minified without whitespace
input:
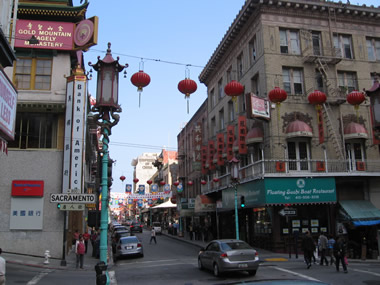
{"x":243,"y":265}
{"x":128,"y":247}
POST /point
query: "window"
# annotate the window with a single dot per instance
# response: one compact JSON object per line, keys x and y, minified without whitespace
{"x":231,"y":111}
{"x":35,"y":130}
{"x":252,"y":50}
{"x":347,"y":81}
{"x":373,"y":48}
{"x":354,"y":153}
{"x":292,"y":79}
{"x":220,"y":89}
{"x":317,"y":44}
{"x":229,"y":78}
{"x":33,"y":73}
{"x":213,"y":127}
{"x":289,"y":42}
{"x":212,"y":98}
{"x":319,"y":81}
{"x":221,"y":120}
{"x":240,"y":66}
{"x":255,"y":85}
{"x":298,"y":155}
{"x":343,"y":44}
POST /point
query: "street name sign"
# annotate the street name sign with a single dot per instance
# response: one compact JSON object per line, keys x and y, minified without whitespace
{"x":73,"y":198}
{"x":72,"y":207}
{"x":288,"y":212}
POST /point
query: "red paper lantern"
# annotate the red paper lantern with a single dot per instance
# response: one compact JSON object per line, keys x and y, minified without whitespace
{"x":277,"y":95}
{"x":176,"y":183}
{"x":203,"y":182}
{"x":122,"y":178}
{"x":234,"y":88}
{"x":162,"y":183}
{"x":187,"y":87}
{"x":149,"y":182}
{"x":317,"y":98}
{"x":136,"y":180}
{"x":190,"y":183}
{"x":140,"y":80}
{"x":215,"y":179}
{"x":355,"y":98}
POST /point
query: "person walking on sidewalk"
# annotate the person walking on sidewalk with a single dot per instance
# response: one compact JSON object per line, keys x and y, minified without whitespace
{"x":340,"y":254}
{"x":86,"y":237}
{"x":2,"y":269}
{"x":80,"y":249}
{"x":153,"y":236}
{"x":308,"y":248}
{"x":330,"y":247}
{"x":323,"y":241}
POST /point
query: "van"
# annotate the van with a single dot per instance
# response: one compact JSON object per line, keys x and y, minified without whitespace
{"x":157,"y":227}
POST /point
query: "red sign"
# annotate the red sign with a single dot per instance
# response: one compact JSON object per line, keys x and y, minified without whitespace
{"x":204,"y":159}
{"x":230,"y":141}
{"x":31,"y":188}
{"x":50,"y":35}
{"x":257,"y":107}
{"x":242,"y":134}
{"x":211,"y":152}
{"x":220,"y":148}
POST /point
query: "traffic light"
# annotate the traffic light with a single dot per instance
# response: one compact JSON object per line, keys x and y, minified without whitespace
{"x":58,"y":206}
{"x":242,"y":201}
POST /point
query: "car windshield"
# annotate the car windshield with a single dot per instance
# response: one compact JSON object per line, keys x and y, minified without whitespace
{"x":156,"y":224}
{"x":235,"y":245}
{"x":129,"y":240}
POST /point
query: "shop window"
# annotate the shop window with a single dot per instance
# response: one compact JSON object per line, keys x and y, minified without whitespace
{"x":33,"y":74}
{"x":35,"y":130}
{"x":298,"y":155}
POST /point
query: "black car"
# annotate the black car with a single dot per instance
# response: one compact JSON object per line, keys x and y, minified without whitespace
{"x":136,"y":227}
{"x":116,"y":237}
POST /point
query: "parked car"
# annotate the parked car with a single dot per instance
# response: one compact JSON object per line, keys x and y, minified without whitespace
{"x":136,"y":227}
{"x":157,"y":227}
{"x":118,"y":229}
{"x":116,"y":236}
{"x":127,"y":246}
{"x":228,"y":255}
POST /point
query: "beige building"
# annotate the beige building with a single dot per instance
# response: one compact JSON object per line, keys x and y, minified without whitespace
{"x":301,"y":167}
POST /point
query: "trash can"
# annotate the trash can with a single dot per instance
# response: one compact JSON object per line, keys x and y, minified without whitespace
{"x":101,"y":277}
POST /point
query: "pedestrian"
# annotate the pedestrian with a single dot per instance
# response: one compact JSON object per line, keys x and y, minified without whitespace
{"x":2,"y":269}
{"x":330,"y":246}
{"x":86,"y":237}
{"x":323,"y":241}
{"x":191,"y":231}
{"x":308,"y":247}
{"x":153,"y":236}
{"x":340,"y":254}
{"x":80,"y":249}
{"x":75,"y":237}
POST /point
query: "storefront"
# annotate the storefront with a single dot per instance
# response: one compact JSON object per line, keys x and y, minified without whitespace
{"x":279,"y":210}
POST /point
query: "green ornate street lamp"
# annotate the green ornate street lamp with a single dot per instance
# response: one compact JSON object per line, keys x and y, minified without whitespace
{"x":106,"y":107}
{"x":234,"y":172}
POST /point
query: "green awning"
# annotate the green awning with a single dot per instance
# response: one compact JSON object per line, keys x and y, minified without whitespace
{"x":361,"y":212}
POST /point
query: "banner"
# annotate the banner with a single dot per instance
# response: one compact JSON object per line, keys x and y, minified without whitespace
{"x":242,"y":121}
{"x":211,"y":152}
{"x":220,"y":148}
{"x":204,"y":159}
{"x":128,"y":188}
{"x":230,"y":141}
{"x":198,"y":142}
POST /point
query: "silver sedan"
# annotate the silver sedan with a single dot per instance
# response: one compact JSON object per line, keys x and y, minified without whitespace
{"x":127,"y":246}
{"x":228,"y":255}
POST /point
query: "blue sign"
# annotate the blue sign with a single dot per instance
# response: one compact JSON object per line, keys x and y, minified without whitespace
{"x":179,"y":188}
{"x":142,"y":189}
{"x":128,"y":188}
{"x":154,"y":188}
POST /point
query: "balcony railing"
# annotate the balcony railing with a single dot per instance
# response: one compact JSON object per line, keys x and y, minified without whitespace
{"x":297,"y":168}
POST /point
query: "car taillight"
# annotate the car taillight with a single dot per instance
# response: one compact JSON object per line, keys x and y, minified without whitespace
{"x":224,"y":255}
{"x":139,"y":245}
{"x":141,"y":226}
{"x":256,"y":254}
{"x":131,"y":226}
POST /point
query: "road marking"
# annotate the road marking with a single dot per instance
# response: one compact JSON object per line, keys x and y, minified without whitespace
{"x":297,"y":274}
{"x":365,"y":271}
{"x":112,"y":277}
{"x":38,"y":277}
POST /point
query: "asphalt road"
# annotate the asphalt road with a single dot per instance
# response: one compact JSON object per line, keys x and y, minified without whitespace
{"x":174,"y":262}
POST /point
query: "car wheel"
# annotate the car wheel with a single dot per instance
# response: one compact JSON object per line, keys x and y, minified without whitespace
{"x":142,"y":255}
{"x":216,"y":270}
{"x":252,"y":272}
{"x":200,"y":265}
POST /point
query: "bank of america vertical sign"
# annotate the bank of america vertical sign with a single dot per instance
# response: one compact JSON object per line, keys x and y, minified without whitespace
{"x":74,"y":133}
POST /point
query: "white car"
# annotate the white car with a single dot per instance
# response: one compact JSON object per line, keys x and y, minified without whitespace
{"x":157,"y":227}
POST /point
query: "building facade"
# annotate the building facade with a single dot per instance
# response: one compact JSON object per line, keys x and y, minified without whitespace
{"x":48,"y":75}
{"x":304,"y":164}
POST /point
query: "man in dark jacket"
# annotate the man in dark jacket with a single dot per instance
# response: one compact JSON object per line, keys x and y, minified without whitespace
{"x":340,"y":253}
{"x":308,"y":248}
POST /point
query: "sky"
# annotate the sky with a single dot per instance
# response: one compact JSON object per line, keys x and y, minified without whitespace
{"x":170,"y":39}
